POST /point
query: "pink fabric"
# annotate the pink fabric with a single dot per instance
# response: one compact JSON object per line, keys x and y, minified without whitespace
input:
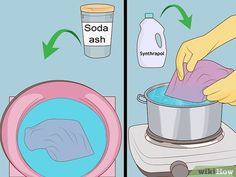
{"x":42,"y":92}
{"x":191,"y":88}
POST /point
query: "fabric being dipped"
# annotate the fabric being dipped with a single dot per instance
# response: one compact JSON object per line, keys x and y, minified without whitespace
{"x":191,"y":88}
{"x":64,"y":140}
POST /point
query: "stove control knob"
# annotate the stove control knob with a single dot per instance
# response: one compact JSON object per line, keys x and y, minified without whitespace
{"x":179,"y":169}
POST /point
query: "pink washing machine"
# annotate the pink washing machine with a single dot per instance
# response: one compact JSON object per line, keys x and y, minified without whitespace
{"x":60,"y":101}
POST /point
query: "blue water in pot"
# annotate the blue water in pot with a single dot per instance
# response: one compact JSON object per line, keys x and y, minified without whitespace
{"x":158,"y":96}
{"x":62,"y":108}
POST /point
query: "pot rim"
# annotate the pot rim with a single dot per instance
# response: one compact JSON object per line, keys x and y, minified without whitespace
{"x":166,"y":84}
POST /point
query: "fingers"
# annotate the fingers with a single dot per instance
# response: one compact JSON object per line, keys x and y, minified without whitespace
{"x":187,"y":57}
{"x":216,"y":96}
{"x":214,"y":88}
{"x":222,"y":97}
{"x":233,"y":103}
{"x":228,"y":99}
{"x":179,"y":63}
{"x":215,"y":92}
{"x":183,"y":56}
{"x":218,"y":92}
{"x":192,"y":63}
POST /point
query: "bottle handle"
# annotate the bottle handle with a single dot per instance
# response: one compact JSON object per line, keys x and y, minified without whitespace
{"x":163,"y":40}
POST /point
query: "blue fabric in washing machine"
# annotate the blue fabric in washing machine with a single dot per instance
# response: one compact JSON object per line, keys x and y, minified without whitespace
{"x":64,"y":140}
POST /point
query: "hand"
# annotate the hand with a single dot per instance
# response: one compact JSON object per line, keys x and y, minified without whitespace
{"x":196,"y":49}
{"x":191,"y":52}
{"x":223,"y":91}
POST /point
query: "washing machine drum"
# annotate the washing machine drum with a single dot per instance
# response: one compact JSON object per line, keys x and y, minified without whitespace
{"x":60,"y":128}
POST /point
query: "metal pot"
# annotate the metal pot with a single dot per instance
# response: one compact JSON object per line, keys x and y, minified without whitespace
{"x":182,"y":124}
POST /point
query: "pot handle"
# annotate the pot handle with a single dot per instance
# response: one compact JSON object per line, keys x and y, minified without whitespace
{"x":141,"y":98}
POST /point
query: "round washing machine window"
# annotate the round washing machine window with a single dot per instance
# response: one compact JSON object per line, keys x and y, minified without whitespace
{"x":40,"y":128}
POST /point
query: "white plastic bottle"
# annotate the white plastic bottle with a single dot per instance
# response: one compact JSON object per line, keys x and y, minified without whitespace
{"x":150,"y":54}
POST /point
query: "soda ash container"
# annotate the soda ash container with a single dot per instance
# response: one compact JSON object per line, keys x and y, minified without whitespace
{"x":150,"y":54}
{"x":97,"y":22}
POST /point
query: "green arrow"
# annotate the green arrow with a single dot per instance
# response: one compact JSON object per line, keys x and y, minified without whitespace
{"x":187,"y":20}
{"x":48,"y":49}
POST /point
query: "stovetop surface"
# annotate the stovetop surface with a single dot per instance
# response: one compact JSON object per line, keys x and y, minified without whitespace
{"x":138,"y":140}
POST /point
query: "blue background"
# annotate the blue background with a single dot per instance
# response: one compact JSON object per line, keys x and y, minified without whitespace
{"x":206,"y":15}
{"x":25,"y":24}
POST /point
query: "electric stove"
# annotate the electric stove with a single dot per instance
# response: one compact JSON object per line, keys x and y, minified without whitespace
{"x":159,"y":158}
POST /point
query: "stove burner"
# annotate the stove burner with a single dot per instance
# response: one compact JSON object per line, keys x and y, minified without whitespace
{"x":158,"y":140}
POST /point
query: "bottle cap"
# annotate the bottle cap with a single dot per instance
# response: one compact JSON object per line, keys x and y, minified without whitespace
{"x":97,"y":8}
{"x":149,"y":15}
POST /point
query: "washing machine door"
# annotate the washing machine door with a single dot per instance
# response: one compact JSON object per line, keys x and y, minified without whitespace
{"x":60,"y":128}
